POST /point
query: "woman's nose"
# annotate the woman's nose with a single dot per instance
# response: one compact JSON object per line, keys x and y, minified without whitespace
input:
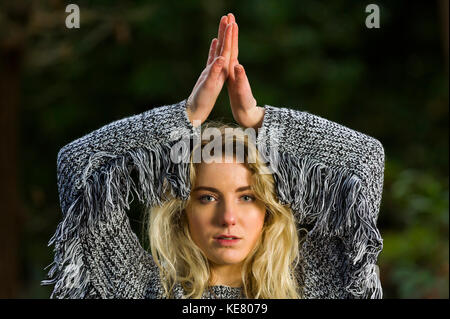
{"x":228,"y":213}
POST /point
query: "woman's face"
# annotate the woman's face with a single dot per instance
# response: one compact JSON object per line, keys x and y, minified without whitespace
{"x":223,"y":205}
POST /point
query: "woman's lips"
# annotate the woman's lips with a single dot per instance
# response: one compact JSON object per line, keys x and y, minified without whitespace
{"x":227,"y":242}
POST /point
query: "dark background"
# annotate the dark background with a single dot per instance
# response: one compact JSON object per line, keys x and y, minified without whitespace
{"x":57,"y":84}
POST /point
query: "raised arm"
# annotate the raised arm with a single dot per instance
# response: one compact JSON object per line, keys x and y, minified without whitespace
{"x":97,"y":255}
{"x":332,"y":178}
{"x":153,"y":130}
{"x":306,"y":136}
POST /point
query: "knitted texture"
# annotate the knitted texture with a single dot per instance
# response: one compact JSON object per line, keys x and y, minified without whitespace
{"x":330,"y":176}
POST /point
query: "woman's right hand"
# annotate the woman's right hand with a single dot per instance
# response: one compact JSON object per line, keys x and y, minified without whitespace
{"x":204,"y":95}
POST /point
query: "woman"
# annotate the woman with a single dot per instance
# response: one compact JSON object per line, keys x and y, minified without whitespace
{"x":226,"y":228}
{"x":231,"y":232}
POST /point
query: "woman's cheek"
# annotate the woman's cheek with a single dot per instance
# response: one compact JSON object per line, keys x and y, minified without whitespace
{"x":199,"y":222}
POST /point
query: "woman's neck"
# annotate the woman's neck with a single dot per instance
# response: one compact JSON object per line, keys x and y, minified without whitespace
{"x":226,"y":275}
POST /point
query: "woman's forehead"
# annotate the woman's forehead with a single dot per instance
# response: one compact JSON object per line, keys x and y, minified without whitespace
{"x":222,"y":173}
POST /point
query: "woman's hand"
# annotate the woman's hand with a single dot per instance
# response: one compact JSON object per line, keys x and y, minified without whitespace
{"x":243,"y":105}
{"x":204,"y":95}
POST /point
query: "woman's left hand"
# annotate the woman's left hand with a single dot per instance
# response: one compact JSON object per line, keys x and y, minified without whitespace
{"x":244,"y":107}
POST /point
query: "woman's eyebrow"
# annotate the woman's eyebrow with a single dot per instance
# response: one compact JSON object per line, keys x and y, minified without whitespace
{"x":212,"y":189}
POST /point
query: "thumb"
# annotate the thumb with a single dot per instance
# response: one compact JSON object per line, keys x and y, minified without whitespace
{"x":239,"y":72}
{"x":241,"y":84}
{"x":242,"y":91}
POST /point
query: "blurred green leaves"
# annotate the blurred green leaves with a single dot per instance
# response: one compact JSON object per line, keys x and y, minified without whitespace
{"x":415,"y":255}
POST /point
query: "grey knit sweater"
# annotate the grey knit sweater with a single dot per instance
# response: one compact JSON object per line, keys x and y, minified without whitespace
{"x":331,"y":176}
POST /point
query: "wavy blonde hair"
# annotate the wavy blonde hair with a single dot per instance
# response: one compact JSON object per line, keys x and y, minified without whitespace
{"x":269,"y":270}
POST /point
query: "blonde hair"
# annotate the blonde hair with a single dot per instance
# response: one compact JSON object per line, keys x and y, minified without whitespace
{"x":269,"y":270}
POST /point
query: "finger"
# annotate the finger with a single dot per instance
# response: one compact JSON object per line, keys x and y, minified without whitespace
{"x":226,"y":48}
{"x":234,"y":43}
{"x":222,"y":26}
{"x":231,"y":18}
{"x":212,"y":51}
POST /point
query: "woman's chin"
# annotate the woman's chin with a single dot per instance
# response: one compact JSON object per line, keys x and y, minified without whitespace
{"x":227,"y":258}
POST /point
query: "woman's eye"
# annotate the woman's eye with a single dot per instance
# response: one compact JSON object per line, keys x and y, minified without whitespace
{"x":248,"y":198}
{"x":207,"y":198}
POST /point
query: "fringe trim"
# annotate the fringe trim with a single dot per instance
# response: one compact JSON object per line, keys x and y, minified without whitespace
{"x":335,"y":202}
{"x":103,"y":192}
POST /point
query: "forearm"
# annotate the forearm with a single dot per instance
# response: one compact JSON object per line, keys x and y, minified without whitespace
{"x":77,"y":160}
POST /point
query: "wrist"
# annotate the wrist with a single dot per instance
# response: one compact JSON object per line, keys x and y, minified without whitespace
{"x":254,"y":117}
{"x":260,"y":116}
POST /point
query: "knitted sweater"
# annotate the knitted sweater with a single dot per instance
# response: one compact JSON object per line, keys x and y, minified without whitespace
{"x":329,"y":175}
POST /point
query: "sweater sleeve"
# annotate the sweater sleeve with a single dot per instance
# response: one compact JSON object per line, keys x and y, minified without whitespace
{"x":97,"y":255}
{"x":332,"y":178}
